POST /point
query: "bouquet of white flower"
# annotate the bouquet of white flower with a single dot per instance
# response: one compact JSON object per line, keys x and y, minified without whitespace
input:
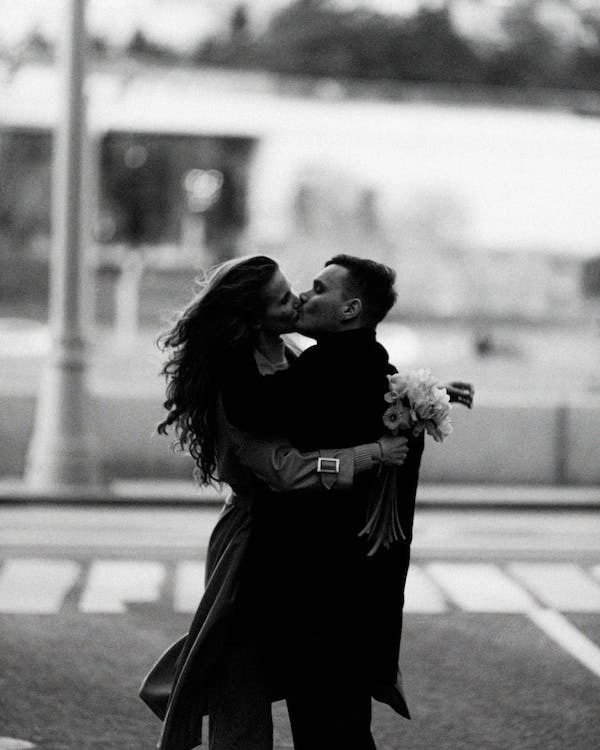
{"x":417,"y":403}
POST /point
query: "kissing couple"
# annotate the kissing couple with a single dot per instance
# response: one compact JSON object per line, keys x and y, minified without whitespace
{"x":294,"y":605}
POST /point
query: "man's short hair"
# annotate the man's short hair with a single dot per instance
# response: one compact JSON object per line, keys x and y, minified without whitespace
{"x":371,"y":282}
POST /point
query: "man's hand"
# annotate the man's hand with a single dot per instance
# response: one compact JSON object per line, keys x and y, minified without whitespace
{"x":393,"y":450}
{"x":460,"y":393}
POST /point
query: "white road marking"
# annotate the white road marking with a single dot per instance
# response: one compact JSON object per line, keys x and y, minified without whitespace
{"x":480,"y":587}
{"x":562,"y":586}
{"x":421,"y":594}
{"x":35,"y":586}
{"x":557,"y":627}
{"x":12,"y":743}
{"x":113,"y":583}
{"x":189,"y":586}
{"x":32,"y":585}
{"x":39,"y":586}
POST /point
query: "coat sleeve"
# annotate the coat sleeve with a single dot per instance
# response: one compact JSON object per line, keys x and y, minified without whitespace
{"x":284,"y":468}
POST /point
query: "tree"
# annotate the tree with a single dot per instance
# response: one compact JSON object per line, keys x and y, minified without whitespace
{"x":99,"y":47}
{"x":438,"y":52}
{"x":141,"y":46}
{"x":38,"y":46}
{"x":315,"y":37}
{"x":238,"y":23}
{"x":586,"y":60}
{"x":531,"y":55}
{"x":320,"y":38}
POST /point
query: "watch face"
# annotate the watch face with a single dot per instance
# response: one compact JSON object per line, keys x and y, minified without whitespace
{"x":328,"y":466}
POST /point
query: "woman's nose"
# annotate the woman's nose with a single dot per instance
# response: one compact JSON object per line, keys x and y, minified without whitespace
{"x":303,"y":297}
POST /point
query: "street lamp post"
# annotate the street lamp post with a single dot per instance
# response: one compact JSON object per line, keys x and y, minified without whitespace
{"x":63,"y":450}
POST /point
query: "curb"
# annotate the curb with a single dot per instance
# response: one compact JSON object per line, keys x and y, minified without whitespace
{"x":177,"y":494}
{"x":498,"y":497}
{"x":115,"y":494}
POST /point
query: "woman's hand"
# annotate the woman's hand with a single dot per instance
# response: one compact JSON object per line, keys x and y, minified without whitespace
{"x":393,"y":450}
{"x":460,"y":393}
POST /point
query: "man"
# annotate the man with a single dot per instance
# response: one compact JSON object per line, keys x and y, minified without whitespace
{"x":331,"y":615}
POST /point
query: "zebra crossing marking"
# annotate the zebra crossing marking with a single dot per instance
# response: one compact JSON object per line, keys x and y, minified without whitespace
{"x":113,"y":583}
{"x":12,"y":743}
{"x":40,"y":586}
{"x":35,"y":586}
{"x":559,"y":629}
{"x":421,"y":594}
{"x":561,"y":586}
{"x":480,"y":587}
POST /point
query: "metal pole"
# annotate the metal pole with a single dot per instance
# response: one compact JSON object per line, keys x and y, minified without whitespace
{"x":63,"y":450}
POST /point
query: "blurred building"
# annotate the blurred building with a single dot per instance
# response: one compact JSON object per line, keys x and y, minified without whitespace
{"x":487,"y":212}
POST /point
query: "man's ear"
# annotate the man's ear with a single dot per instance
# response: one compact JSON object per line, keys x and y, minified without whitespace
{"x":351,"y":309}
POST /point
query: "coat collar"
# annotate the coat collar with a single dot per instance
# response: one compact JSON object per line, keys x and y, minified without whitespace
{"x":356,"y":337}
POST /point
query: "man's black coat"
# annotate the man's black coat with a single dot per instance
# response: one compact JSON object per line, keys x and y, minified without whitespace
{"x":330,"y":611}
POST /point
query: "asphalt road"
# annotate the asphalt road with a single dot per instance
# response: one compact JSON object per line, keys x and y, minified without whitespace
{"x":501,"y":644}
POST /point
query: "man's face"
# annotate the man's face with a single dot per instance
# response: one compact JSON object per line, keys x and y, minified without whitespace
{"x":281,"y":311}
{"x":321,"y":308}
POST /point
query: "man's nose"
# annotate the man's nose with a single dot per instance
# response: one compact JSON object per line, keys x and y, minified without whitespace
{"x":303,"y":297}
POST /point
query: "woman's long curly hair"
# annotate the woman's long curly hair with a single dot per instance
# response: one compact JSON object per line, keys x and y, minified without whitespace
{"x":219,"y":321}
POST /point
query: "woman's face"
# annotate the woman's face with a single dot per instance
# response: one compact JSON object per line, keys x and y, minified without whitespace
{"x":281,"y":311}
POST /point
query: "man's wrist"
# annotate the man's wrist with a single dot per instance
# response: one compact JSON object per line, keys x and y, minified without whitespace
{"x":366,"y":456}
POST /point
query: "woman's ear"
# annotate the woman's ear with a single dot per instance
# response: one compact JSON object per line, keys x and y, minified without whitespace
{"x":352,"y":309}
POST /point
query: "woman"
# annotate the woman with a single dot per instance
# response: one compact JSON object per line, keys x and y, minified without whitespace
{"x":221,"y":667}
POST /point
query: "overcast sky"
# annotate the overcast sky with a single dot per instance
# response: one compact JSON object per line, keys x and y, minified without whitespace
{"x":181,"y":23}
